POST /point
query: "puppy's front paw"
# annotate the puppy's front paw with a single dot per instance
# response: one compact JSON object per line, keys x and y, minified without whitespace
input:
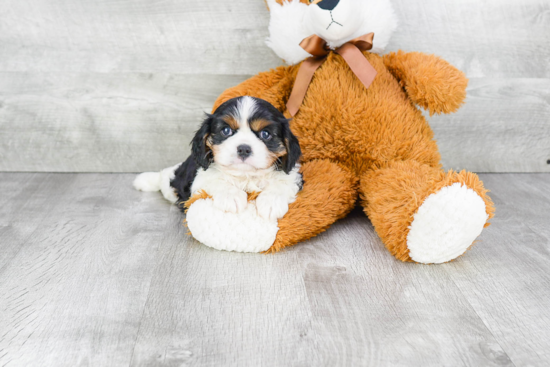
{"x":271,"y":206}
{"x":232,"y":200}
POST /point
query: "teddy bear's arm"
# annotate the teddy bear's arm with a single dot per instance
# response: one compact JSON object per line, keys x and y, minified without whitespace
{"x":431,"y":82}
{"x":274,"y":86}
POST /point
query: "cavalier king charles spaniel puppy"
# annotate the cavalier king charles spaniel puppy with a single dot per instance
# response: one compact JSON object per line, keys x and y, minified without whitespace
{"x":245,"y":146}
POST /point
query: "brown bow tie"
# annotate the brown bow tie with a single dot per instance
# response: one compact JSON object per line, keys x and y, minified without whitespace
{"x":351,"y":52}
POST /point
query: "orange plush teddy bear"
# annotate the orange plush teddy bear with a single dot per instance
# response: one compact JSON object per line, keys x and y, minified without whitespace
{"x":361,"y":133}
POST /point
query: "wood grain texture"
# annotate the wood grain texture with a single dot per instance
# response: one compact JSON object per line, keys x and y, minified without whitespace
{"x":143,"y":122}
{"x":120,"y":86}
{"x":333,"y":301}
{"x":504,"y":127}
{"x":101,"y":122}
{"x":21,"y":195}
{"x":491,"y":38}
{"x":369,"y":310}
{"x":216,"y":301}
{"x":193,"y":37}
{"x":106,"y":276}
{"x":509,"y":285}
{"x":494,"y":38}
{"x":74,"y":292}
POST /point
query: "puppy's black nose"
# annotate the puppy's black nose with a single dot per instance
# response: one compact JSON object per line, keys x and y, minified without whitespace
{"x":244,"y":151}
{"x":328,"y":4}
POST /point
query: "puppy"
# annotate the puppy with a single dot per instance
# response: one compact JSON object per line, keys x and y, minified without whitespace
{"x":245,"y":146}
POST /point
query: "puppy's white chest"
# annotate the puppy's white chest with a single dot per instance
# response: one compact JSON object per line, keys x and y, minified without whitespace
{"x":255,"y":185}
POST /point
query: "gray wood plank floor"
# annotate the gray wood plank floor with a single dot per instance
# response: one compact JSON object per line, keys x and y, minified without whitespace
{"x":95,"y":273}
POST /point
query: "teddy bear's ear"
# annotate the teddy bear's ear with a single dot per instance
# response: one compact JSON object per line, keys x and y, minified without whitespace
{"x":379,"y":17}
{"x":280,"y":2}
{"x":287,"y":30}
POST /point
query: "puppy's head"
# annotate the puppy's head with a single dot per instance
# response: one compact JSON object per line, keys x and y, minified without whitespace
{"x":246,"y":134}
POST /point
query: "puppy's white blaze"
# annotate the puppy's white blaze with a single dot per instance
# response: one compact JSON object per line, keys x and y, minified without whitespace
{"x":246,"y":107}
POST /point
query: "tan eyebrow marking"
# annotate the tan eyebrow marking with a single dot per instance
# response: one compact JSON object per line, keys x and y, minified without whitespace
{"x":230,"y":120}
{"x":260,"y":124}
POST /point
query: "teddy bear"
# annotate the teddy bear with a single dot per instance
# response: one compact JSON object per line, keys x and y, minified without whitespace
{"x":363,"y":137}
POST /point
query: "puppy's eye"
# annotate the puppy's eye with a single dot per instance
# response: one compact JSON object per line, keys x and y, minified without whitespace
{"x":264,"y":134}
{"x":227,"y":131}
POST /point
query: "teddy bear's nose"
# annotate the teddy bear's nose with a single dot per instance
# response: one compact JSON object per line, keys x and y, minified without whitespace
{"x":328,"y":4}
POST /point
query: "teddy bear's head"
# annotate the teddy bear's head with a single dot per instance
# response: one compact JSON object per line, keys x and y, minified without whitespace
{"x":335,"y":21}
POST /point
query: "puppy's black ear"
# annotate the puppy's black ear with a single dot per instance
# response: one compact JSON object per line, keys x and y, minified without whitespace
{"x":199,"y":148}
{"x":293,"y":151}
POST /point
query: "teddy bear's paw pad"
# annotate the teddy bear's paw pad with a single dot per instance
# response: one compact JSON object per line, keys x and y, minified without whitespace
{"x":242,"y":232}
{"x":446,"y":225}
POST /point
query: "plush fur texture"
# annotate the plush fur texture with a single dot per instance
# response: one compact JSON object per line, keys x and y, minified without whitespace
{"x":329,"y":194}
{"x":243,"y":232}
{"x":446,"y":89}
{"x":287,"y":30}
{"x":372,"y":143}
{"x":446,"y":224}
{"x":392,"y":194}
{"x":292,"y":21}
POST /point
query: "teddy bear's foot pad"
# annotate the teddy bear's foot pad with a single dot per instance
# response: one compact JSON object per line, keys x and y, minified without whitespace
{"x":446,"y":225}
{"x":242,"y":232}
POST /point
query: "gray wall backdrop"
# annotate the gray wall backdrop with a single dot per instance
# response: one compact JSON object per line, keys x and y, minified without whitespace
{"x":120,"y":86}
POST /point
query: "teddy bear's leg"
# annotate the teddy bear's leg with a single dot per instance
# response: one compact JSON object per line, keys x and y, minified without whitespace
{"x":423,"y":214}
{"x":329,"y":193}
